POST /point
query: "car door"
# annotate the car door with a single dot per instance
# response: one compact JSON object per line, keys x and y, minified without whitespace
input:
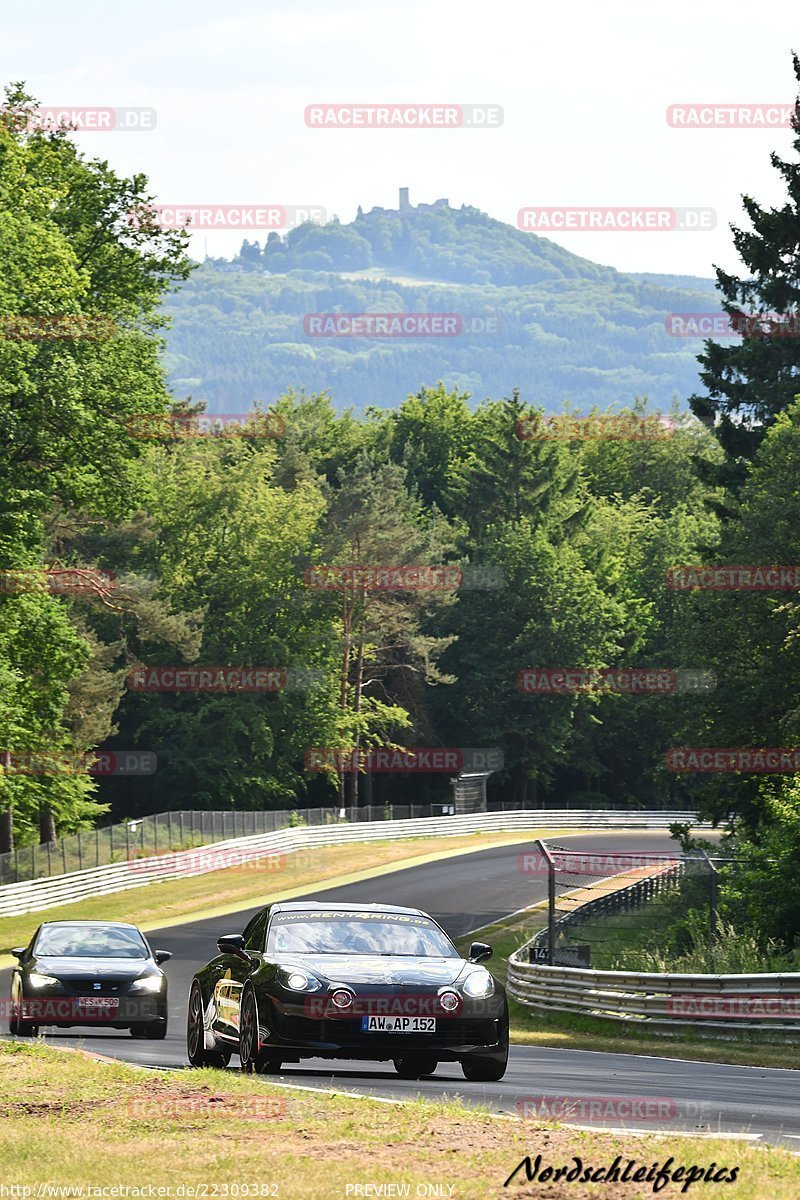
{"x":233,"y":972}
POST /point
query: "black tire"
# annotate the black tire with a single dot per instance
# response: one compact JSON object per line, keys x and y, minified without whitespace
{"x":252,"y":1058}
{"x":415,"y":1066}
{"x":138,"y":1031}
{"x":26,"y":1029}
{"x":480,"y":1069}
{"x":196,"y":1051}
{"x":156,"y":1032}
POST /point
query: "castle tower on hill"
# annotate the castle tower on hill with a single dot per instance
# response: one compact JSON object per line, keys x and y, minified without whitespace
{"x":406,"y":208}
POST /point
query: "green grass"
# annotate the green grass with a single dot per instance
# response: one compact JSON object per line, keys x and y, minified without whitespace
{"x":70,"y":1120}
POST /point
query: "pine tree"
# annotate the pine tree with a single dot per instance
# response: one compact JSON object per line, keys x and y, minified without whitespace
{"x":750,"y":381}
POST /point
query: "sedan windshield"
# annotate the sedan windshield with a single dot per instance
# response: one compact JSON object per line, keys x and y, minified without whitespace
{"x":90,"y":941}
{"x":357,"y":933}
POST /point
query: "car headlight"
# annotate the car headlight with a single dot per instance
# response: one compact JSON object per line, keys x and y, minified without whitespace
{"x":149,"y":983}
{"x":42,"y":981}
{"x":298,"y":981}
{"x":478,"y":984}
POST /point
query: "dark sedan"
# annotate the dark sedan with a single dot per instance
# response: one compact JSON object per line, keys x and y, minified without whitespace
{"x":374,"y":982}
{"x":96,"y":973}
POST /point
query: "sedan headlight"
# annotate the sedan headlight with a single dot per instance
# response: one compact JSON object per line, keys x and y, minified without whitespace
{"x":149,"y":984}
{"x":298,"y":981}
{"x":42,"y":981}
{"x":478,"y":984}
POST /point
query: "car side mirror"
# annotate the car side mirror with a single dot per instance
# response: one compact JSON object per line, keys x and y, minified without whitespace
{"x":19,"y":953}
{"x":232,"y":943}
{"x":162,"y":956}
{"x":479,"y":952}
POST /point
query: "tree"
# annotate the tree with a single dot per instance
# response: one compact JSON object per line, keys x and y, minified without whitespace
{"x":72,"y":258}
{"x":374,"y":521}
{"x":751,"y":381}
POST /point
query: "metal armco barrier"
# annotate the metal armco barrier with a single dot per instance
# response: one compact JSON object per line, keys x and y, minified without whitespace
{"x":37,"y":894}
{"x":708,"y":1002}
{"x":714,"y":1004}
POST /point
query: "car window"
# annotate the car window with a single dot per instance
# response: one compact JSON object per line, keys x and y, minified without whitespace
{"x":255,"y":934}
{"x":90,"y":941}
{"x":358,"y":933}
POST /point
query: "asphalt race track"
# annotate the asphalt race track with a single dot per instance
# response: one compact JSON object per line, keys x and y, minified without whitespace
{"x":465,"y":893}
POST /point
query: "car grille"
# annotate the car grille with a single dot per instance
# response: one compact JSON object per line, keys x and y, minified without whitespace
{"x":86,"y":987}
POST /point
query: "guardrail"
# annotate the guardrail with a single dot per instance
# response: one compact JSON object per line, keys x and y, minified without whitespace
{"x":711,"y":1003}
{"x":708,"y":1002}
{"x":37,"y":894}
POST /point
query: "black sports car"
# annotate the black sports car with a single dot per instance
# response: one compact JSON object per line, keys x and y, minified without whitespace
{"x":95,"y":973}
{"x":358,"y":981}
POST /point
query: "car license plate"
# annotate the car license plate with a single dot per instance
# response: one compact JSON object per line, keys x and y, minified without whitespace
{"x":107,"y":1003}
{"x":398,"y":1024}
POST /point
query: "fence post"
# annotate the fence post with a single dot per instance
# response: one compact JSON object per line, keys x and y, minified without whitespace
{"x":712,"y":913}
{"x":180,"y":814}
{"x":80,"y":852}
{"x":551,"y":903}
{"x":97,"y":847}
{"x":127,"y":841}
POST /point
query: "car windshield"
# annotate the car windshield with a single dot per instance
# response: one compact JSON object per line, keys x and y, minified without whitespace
{"x":357,"y":933}
{"x":90,"y":941}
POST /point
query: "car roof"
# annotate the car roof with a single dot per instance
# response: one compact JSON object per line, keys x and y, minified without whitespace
{"x":104,"y":924}
{"x":343,"y":906}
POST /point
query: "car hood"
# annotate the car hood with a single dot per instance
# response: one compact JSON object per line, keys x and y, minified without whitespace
{"x":378,"y":969}
{"x":69,"y":967}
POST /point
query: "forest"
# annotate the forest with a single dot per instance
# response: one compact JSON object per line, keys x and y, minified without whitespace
{"x":508,"y":546}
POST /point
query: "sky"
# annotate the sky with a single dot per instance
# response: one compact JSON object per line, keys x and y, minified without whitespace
{"x":584,"y":89}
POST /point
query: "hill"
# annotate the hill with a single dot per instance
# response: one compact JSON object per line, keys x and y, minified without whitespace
{"x":529,"y":314}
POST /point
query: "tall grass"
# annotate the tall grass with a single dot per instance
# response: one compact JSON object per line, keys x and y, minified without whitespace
{"x":733,"y":953}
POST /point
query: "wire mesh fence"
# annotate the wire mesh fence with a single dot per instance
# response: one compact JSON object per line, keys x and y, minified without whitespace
{"x":624,"y":910}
